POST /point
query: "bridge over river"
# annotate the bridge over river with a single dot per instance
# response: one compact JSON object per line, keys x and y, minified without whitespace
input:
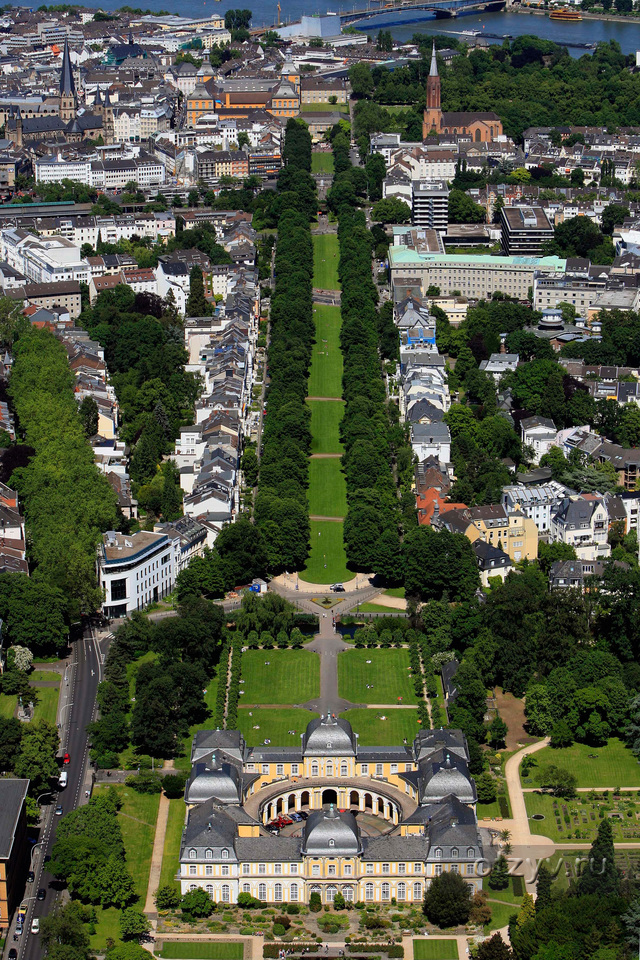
{"x":408,"y":11}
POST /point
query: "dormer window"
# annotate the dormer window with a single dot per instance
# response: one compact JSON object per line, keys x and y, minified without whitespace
{"x":192,"y":854}
{"x":208,"y":854}
{"x":438,"y":853}
{"x":454,"y":851}
{"x":328,"y":746}
{"x":225,"y":854}
{"x":332,"y":843}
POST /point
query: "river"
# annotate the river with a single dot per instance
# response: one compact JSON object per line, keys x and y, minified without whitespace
{"x":627,"y":34}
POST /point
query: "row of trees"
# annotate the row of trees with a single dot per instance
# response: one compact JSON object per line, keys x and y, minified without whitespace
{"x":67,"y":502}
{"x":281,"y":508}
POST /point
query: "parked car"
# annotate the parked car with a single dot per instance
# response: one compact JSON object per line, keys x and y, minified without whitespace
{"x":285,"y":820}
{"x":13,"y":954}
{"x":67,"y":758}
{"x":59,"y":810}
{"x":303,"y":814}
{"x":337,"y":587}
{"x":41,"y":893}
{"x":31,"y":876}
{"x":296,"y":817}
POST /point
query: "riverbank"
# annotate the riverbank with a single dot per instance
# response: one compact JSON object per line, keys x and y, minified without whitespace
{"x":604,"y":17}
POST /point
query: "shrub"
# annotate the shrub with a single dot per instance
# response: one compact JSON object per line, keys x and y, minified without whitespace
{"x":145,"y":783}
{"x":173,"y":785}
{"x":315,"y":903}
{"x":283,"y":921}
{"x":375,"y":923}
{"x":167,"y":897}
{"x":278,"y":930}
{"x":293,"y":909}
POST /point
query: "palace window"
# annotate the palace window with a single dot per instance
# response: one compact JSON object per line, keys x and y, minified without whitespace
{"x":344,"y":770}
{"x":277,"y":868}
{"x":280,"y":769}
{"x":225,"y":854}
{"x":209,"y":889}
{"x":314,"y":770}
{"x":208,"y":870}
{"x":262,"y":891}
{"x":277,"y":892}
{"x":454,"y":851}
{"x":438,"y":853}
{"x":365,"y":768}
{"x":315,"y":869}
{"x":193,"y":870}
{"x":192,"y":854}
{"x":225,"y":870}
{"x":347,"y":870}
{"x":331,"y":872}
{"x":294,"y":892}
{"x":369,"y":868}
{"x":262,"y":868}
{"x":293,"y":868}
{"x":368,"y":891}
{"x":385,"y":868}
{"x":246,"y":888}
{"x":379,"y":769}
{"x":402,"y":891}
{"x":438,"y":870}
{"x":417,"y":891}
{"x":294,"y":769}
{"x":470,"y":869}
{"x":402,"y":868}
{"x":386,"y":891}
{"x":246,"y":868}
{"x":394,"y":768}
{"x":417,"y":868}
{"x":265,"y":768}
{"x":208,"y":854}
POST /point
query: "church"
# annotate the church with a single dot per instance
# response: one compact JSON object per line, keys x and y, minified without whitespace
{"x":369,"y":823}
{"x":481,"y":127}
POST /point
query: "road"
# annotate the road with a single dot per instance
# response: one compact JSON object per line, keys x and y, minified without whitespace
{"x":77,"y":709}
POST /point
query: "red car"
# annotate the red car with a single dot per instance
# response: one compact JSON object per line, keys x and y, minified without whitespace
{"x":67,"y":758}
{"x":284,"y":821}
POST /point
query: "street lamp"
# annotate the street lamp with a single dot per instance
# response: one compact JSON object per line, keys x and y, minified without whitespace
{"x":45,"y":794}
{"x":63,"y":710}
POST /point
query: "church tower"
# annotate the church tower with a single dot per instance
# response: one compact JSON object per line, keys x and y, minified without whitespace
{"x":68,"y":98}
{"x":107,"y":118}
{"x":433,"y":111}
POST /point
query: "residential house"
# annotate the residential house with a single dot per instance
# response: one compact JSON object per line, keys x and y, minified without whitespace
{"x":582,"y":522}
{"x":539,"y":433}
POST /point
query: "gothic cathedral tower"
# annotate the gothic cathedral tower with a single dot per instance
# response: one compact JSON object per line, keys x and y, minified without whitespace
{"x":68,"y":98}
{"x":433,"y":111}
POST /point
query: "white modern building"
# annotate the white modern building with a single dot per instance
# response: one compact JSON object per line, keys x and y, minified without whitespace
{"x":134,"y":570}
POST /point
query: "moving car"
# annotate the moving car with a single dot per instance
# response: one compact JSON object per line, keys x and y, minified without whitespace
{"x":59,"y":810}
{"x":31,"y":876}
{"x":13,"y":954}
{"x":35,"y":925}
{"x":67,"y":758}
{"x":41,"y":894}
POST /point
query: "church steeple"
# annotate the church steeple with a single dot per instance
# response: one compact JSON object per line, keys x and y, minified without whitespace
{"x":68,"y":98}
{"x":433,"y":111}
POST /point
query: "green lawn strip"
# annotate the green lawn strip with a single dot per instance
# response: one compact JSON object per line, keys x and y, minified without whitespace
{"x":107,"y":927}
{"x":47,"y":706}
{"x":137,"y":817}
{"x":325,"y":108}
{"x":321,"y":162}
{"x":279,"y":676}
{"x":273,"y":725}
{"x":325,"y":261}
{"x":513,"y":894}
{"x":8,"y":705}
{"x":173,"y":836}
{"x":327,"y":561}
{"x":491,"y":810}
{"x":394,"y":592}
{"x":183,"y":762}
{"x":372,"y":608}
{"x":202,"y":950}
{"x":325,"y":375}
{"x":387,"y":674}
{"x":397,"y":726}
{"x":435,"y":949}
{"x":44,"y":676}
{"x":327,"y":489}
{"x":610,"y":766}
{"x":500,"y":913}
{"x":325,"y":426}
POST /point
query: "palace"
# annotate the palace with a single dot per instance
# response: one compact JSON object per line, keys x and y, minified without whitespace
{"x":481,"y":127}
{"x":421,"y":794}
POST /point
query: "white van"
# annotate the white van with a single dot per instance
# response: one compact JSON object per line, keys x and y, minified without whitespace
{"x":64,"y":776}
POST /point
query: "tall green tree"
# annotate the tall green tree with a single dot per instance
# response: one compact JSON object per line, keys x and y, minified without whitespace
{"x":600,"y":875}
{"x":196,"y":304}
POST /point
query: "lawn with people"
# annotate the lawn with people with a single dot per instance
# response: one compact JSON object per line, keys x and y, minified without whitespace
{"x":325,"y":375}
{"x":327,"y":561}
{"x":327,"y":488}
{"x":325,"y":425}
{"x":325,"y":261}
{"x":612,"y":765}
{"x":376,"y":676}
{"x":281,"y":727}
{"x":376,"y":728}
{"x":279,"y":676}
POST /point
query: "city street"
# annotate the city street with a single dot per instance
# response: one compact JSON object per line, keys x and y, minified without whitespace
{"x":75,"y":710}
